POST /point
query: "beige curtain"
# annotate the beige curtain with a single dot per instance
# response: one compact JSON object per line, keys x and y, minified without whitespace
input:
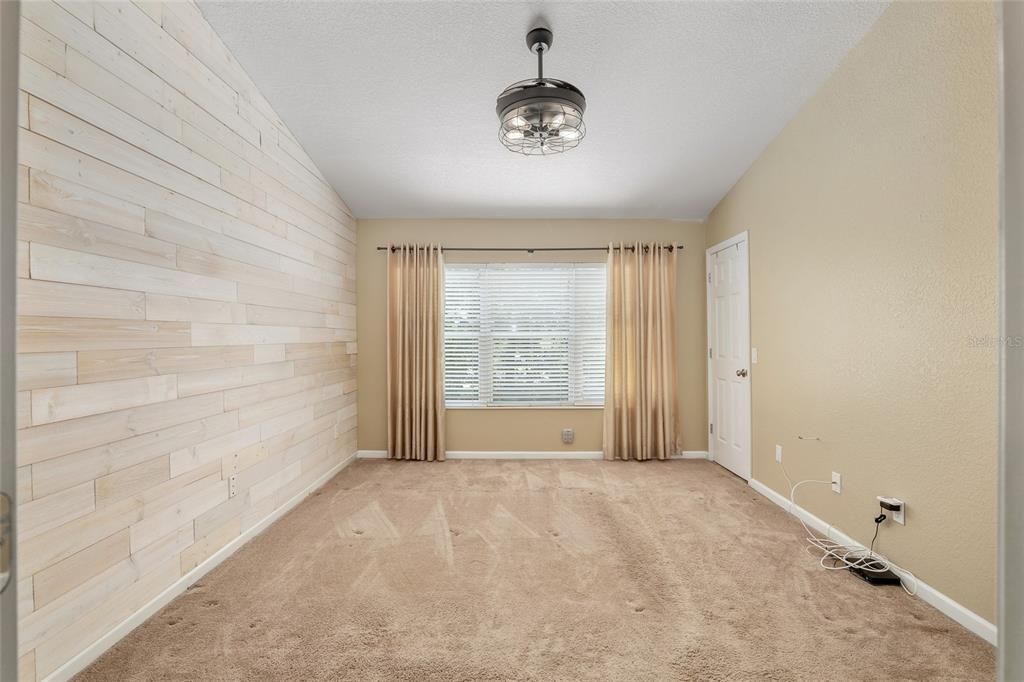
{"x":415,"y":384}
{"x":641,"y":401}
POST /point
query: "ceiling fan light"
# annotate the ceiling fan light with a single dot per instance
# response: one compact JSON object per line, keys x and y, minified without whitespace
{"x":545,"y":113}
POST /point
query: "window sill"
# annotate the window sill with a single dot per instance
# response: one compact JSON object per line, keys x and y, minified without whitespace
{"x":524,"y":407}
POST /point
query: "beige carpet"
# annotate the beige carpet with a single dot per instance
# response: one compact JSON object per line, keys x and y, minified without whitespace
{"x":539,"y":571}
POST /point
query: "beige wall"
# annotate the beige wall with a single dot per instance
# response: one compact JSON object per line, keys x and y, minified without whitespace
{"x":873,"y":242}
{"x":519,"y":429}
{"x":186,"y":303}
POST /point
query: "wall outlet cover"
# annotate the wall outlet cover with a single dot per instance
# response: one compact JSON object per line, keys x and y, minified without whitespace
{"x":778,"y":452}
{"x":568,"y":436}
{"x":900,"y":516}
{"x":233,"y":486}
{"x":837,"y":482}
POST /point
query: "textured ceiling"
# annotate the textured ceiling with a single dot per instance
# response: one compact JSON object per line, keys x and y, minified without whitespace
{"x":394,"y":101}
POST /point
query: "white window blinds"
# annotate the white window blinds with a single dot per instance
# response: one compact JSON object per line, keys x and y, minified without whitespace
{"x":524,"y":334}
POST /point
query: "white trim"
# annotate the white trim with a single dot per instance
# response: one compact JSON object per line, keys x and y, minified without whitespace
{"x":524,"y":454}
{"x":954,"y":610}
{"x":731,"y":241}
{"x":1010,"y":604}
{"x":10,"y":20}
{"x":710,"y":251}
{"x":527,"y":454}
{"x":691,"y":454}
{"x":82,"y":660}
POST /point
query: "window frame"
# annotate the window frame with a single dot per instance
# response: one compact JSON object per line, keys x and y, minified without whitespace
{"x":486,"y":341}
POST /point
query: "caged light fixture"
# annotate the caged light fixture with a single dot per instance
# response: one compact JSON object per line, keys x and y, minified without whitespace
{"x":541,"y":115}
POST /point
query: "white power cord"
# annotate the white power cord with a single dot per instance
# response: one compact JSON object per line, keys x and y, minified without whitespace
{"x":843,"y":557}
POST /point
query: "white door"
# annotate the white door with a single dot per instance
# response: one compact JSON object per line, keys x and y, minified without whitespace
{"x":729,"y":355}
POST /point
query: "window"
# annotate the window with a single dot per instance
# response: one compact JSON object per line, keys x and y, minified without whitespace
{"x":524,"y":334}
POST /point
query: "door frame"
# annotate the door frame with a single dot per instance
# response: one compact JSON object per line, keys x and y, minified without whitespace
{"x":1011,"y":441}
{"x":741,"y":237}
{"x":10,"y":21}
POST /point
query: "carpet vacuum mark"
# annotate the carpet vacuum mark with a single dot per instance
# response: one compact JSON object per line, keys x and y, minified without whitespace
{"x":543,"y":570}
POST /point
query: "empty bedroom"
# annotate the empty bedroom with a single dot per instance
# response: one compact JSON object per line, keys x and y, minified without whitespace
{"x":457,"y":340}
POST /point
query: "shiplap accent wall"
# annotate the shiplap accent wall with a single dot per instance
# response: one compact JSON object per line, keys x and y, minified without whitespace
{"x":186,"y":314}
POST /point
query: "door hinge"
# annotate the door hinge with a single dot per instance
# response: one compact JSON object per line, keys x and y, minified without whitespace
{"x":709,"y":353}
{"x":712,"y":429}
{"x":709,"y":278}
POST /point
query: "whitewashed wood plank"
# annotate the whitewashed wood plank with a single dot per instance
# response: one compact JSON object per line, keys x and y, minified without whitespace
{"x":70,"y":402}
{"x":61,"y":127}
{"x":73,"y":199}
{"x":282,"y":317}
{"x":75,"y":267}
{"x":132,"y":480}
{"x":245,"y":335}
{"x":135,"y":33}
{"x":56,"y":651}
{"x":44,"y":370}
{"x":80,"y":9}
{"x":209,"y":148}
{"x":24,"y":483}
{"x":179,"y":232}
{"x":41,"y":443}
{"x":52,"y":334}
{"x":68,"y":470}
{"x":265,"y":354}
{"x":62,"y":577}
{"x":110,"y":365}
{"x":152,"y":528}
{"x":24,"y":411}
{"x":26,"y":601}
{"x":39,"y":298}
{"x":39,"y":46}
{"x":102,"y":83}
{"x":182,"y":309}
{"x":77,"y":33}
{"x":207,"y":264}
{"x":285,"y":299}
{"x":73,"y":99}
{"x":213,"y":450}
{"x":209,"y":544}
{"x":51,"y":511}
{"x":194,"y":383}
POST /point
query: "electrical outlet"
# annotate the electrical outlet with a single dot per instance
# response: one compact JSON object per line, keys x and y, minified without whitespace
{"x":900,"y":516}
{"x":232,"y":486}
{"x":568,"y":436}
{"x":778,"y":452}
{"x":837,"y":482}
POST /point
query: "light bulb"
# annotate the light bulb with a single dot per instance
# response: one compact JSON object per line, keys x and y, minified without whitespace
{"x":569,"y":133}
{"x":514,"y":135}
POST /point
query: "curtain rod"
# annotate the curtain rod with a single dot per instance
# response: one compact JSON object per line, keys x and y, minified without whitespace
{"x":670,"y":247}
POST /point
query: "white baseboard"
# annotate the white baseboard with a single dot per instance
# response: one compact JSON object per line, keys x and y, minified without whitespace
{"x":691,"y":454}
{"x":526,"y":454}
{"x":97,"y":648}
{"x":954,"y":610}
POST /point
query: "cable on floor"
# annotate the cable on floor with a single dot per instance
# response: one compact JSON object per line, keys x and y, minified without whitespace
{"x":843,"y":557}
